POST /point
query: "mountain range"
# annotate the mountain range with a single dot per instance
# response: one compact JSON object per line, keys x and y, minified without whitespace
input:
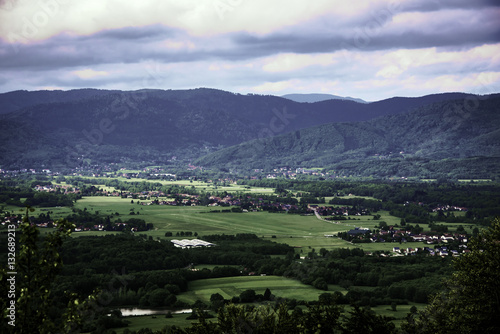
{"x":219,"y":129}
{"x":311,"y":98}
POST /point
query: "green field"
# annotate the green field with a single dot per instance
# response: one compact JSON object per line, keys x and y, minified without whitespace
{"x":302,"y":232}
{"x":174,"y":219}
{"x":229,"y":287}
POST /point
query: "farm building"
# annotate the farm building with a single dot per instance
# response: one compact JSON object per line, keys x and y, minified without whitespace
{"x":193,"y":243}
{"x":358,"y":230}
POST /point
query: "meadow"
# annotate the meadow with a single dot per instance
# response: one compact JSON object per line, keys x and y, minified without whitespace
{"x":303,"y":232}
{"x":198,"y":219}
{"x":229,"y":287}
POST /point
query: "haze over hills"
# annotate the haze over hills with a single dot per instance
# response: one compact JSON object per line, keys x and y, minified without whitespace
{"x":83,"y":127}
{"x":311,"y":98}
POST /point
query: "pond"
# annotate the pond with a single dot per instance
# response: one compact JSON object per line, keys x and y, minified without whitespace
{"x":128,"y":312}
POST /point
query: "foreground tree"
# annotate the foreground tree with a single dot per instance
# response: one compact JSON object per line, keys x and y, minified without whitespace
{"x":471,"y":301}
{"x":37,"y":263}
{"x":316,"y":319}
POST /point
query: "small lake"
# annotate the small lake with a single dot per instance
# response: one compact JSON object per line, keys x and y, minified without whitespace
{"x":128,"y":312}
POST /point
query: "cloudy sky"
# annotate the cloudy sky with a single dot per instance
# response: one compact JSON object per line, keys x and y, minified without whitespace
{"x":366,"y":49}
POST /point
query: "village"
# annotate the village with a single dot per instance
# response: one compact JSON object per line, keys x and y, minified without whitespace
{"x":434,"y":243}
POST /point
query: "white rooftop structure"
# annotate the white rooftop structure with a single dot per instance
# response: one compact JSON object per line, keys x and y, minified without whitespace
{"x":191,"y":243}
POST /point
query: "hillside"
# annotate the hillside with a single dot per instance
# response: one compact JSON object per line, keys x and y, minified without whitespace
{"x":20,"y":99}
{"x":83,"y":127}
{"x":437,"y":138}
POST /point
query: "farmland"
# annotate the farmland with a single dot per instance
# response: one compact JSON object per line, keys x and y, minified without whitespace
{"x":295,"y":230}
{"x":201,"y":220}
{"x":302,"y":232}
{"x":234,"y":286}
{"x":268,"y":235}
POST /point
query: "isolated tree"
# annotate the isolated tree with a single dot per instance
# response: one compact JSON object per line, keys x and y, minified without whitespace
{"x":247,"y":296}
{"x":216,"y":297}
{"x":267,"y":294}
{"x":471,"y":301}
{"x":216,"y":301}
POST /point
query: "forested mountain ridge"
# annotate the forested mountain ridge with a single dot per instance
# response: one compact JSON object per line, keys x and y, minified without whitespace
{"x":311,"y":98}
{"x":20,"y":99}
{"x":68,"y":129}
{"x":443,"y":133}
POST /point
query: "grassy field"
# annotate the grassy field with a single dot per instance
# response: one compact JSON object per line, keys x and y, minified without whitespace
{"x":233,"y":286}
{"x":229,"y":287}
{"x":198,"y":219}
{"x":303,"y":232}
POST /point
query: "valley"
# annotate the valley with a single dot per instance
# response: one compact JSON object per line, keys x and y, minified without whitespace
{"x":275,"y":233}
{"x":337,"y":210}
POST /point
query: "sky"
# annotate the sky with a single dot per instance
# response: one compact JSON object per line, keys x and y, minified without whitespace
{"x":365,"y":49}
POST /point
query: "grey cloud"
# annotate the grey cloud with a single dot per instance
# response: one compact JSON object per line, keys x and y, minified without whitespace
{"x":131,"y":45}
{"x":153,"y":32}
{"x":126,"y":45}
{"x":361,"y":38}
{"x":435,"y":5}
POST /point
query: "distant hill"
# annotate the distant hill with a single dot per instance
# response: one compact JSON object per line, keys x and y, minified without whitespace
{"x":19,"y":99}
{"x":80,"y":127}
{"x":439,"y":137}
{"x":311,"y":98}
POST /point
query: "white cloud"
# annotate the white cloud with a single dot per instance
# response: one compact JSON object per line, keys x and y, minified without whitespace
{"x":89,"y":73}
{"x":291,"y":62}
{"x":202,"y":18}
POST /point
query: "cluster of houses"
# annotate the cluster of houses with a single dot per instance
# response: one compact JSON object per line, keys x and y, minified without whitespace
{"x":459,"y":241}
{"x":16,"y":221}
{"x":448,"y":208}
{"x":337,"y":211}
{"x":224,"y":201}
{"x":27,"y":171}
{"x":181,"y":199}
{"x":65,"y":189}
{"x":427,"y":237}
{"x":13,"y":220}
{"x":438,"y":251}
{"x":289,"y":173}
{"x":445,"y":238}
